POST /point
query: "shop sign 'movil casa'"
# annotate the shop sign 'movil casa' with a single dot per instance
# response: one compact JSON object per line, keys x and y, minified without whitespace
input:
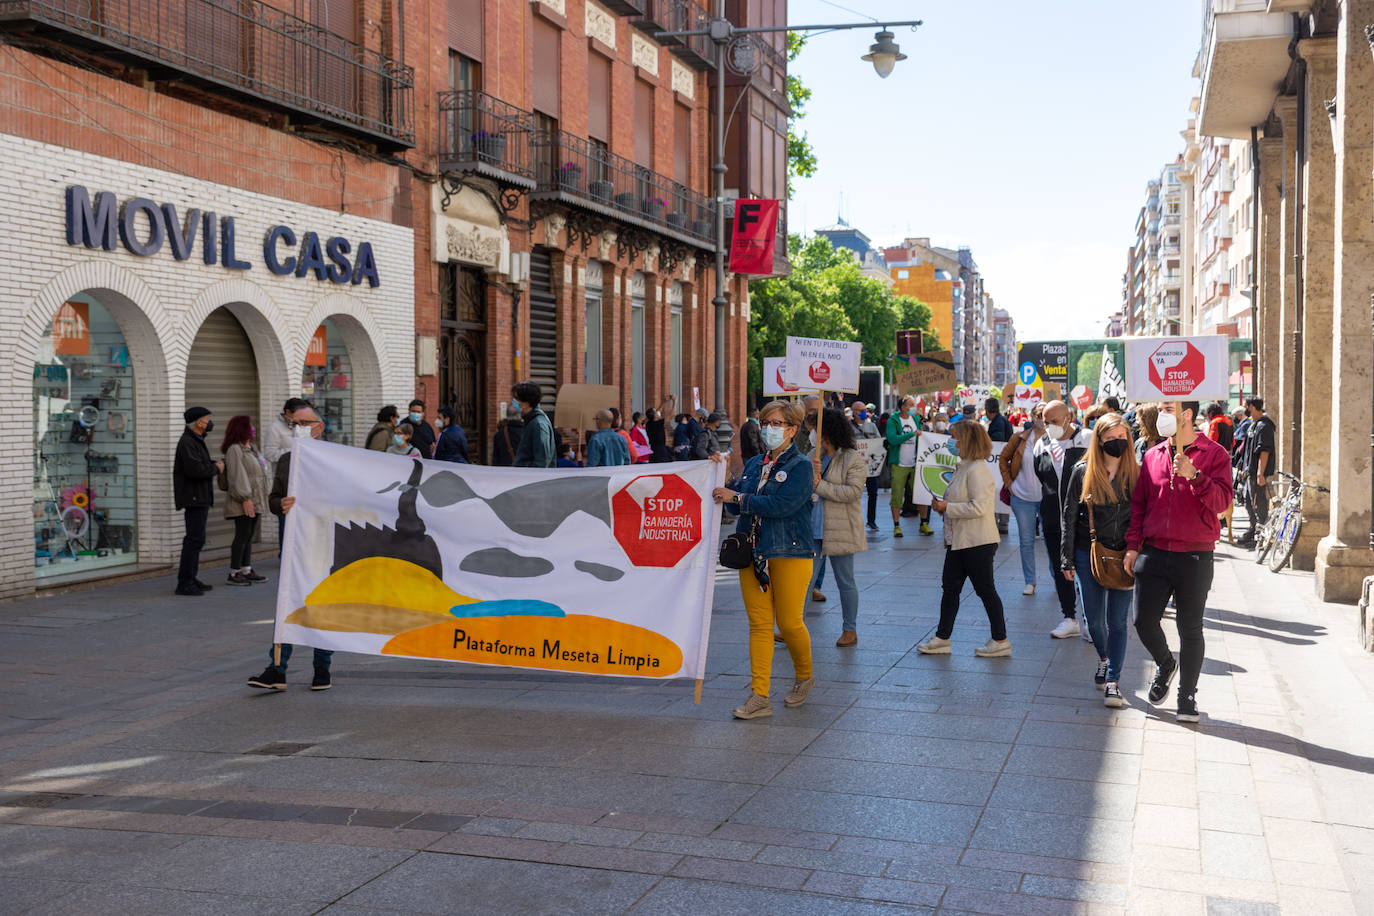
{"x":98,"y":224}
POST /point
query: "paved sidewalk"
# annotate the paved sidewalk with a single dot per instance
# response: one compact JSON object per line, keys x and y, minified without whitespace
{"x":138,"y":774}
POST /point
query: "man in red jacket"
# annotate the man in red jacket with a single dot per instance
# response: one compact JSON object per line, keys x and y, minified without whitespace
{"x":1185,"y":482}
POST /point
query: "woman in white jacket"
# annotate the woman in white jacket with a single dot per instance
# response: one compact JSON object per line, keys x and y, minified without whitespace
{"x":971,"y":540}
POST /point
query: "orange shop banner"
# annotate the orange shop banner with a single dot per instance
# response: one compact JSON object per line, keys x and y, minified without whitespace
{"x":71,"y":329}
{"x":315,"y":354}
{"x":606,"y":571}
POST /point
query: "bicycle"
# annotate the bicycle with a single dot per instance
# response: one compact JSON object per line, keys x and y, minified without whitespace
{"x":1279,"y":534}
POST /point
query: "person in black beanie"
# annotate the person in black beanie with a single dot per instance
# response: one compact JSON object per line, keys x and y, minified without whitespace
{"x":193,"y":489}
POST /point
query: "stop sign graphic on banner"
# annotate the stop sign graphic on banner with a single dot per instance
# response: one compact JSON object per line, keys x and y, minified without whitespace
{"x":819,"y":372}
{"x":1177,"y":368}
{"x":1082,"y":397}
{"x":783,"y":383}
{"x":657,"y":519}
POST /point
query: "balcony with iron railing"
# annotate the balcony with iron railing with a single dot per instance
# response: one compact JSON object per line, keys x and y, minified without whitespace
{"x":575,"y":171}
{"x":697,"y":51}
{"x":627,"y":7}
{"x":481,"y":134}
{"x":245,"y":50}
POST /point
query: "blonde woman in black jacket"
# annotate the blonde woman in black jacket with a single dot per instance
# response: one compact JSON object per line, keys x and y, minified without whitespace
{"x":1102,"y":484}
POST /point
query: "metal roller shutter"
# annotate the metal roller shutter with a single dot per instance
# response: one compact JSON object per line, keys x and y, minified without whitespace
{"x":222,"y":374}
{"x":465,"y":27}
{"x":543,"y":326}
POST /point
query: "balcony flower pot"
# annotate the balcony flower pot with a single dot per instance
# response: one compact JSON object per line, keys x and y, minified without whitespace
{"x":703,"y":227}
{"x":489,"y":147}
{"x":601,"y":190}
{"x":653,"y":208}
{"x":677,"y":219}
{"x":627,"y":201}
{"x":570,"y":177}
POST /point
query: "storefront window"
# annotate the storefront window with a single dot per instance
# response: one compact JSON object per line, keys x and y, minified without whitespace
{"x":327,"y":382}
{"x":84,"y":486}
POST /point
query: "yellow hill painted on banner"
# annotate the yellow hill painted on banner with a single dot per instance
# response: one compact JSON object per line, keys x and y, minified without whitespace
{"x":578,"y":642}
{"x":389,"y":583}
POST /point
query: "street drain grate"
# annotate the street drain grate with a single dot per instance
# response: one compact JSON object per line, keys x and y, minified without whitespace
{"x":41,"y":800}
{"x":280,"y":749}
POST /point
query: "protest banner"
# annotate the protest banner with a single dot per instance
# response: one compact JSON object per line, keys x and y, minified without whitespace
{"x":827,"y":365}
{"x":775,"y":380}
{"x":752,"y":245}
{"x":935,"y":468}
{"x":874,"y":452}
{"x":977,"y":394}
{"x":542,"y":569}
{"x":1027,"y":396}
{"x":923,"y":373}
{"x":578,"y":405}
{"x":1110,"y":384}
{"x":1177,"y":368}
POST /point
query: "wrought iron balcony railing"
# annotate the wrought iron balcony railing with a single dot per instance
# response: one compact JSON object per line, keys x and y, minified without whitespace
{"x":680,"y":16}
{"x":627,"y":7}
{"x":244,"y":49}
{"x":577,"y":170}
{"x":480,"y":133}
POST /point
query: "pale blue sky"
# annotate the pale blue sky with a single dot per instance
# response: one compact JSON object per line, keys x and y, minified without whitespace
{"x":1026,"y":131}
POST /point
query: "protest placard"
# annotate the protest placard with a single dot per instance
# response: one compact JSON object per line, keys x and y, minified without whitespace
{"x":827,"y":365}
{"x":925,"y":372}
{"x":775,"y":381}
{"x":1177,"y":368}
{"x":935,"y":468}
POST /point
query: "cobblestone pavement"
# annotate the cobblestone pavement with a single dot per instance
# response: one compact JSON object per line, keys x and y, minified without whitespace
{"x":138,"y":774}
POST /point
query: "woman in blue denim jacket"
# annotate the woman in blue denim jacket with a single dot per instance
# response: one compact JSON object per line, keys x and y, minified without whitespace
{"x":775,"y":490}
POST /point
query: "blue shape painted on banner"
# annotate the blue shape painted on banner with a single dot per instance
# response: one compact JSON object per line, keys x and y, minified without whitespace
{"x":509,"y":607}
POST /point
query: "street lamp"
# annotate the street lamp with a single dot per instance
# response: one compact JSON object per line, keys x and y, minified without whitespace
{"x":884,"y":54}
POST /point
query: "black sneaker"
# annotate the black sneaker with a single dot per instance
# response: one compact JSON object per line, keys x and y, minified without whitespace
{"x":270,"y":679}
{"x":190,"y":591}
{"x":237,"y":579}
{"x":872,"y":526}
{"x":203,"y":586}
{"x":1111,"y":696}
{"x":321,"y":680}
{"x":1100,"y":678}
{"x":1159,"y":688}
{"x":253,"y":577}
{"x":1187,"y":709}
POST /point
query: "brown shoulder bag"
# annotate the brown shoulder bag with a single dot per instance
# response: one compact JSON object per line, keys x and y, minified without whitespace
{"x":1108,"y":566}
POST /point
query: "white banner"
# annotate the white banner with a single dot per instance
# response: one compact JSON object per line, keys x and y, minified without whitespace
{"x":1028,"y":396}
{"x":874,"y":452}
{"x":935,"y":468}
{"x":828,"y":365}
{"x":1177,"y":368}
{"x":595,"y":571}
{"x":1109,"y":381}
{"x":775,"y":380}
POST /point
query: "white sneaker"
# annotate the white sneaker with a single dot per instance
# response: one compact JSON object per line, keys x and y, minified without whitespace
{"x":1028,"y":590}
{"x":994,"y":648}
{"x":1067,"y":627}
{"x":934,"y":646}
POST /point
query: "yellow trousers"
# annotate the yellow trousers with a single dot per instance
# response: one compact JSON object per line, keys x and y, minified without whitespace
{"x":788,"y":585}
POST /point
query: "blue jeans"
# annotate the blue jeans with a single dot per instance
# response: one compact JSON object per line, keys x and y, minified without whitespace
{"x":818,"y":575}
{"x":1107,"y":608}
{"x":322,"y":657}
{"x":1025,"y":512}
{"x":849,"y":590}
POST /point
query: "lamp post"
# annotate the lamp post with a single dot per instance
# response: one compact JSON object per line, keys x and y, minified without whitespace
{"x":884,"y":54}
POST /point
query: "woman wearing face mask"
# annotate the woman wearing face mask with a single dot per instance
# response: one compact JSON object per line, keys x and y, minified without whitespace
{"x":1018,"y":476}
{"x":971,"y":540}
{"x":245,"y":473}
{"x":839,"y":489}
{"x":400,"y":441}
{"x":774,"y":493}
{"x":1145,"y":417}
{"x":1101,"y":483}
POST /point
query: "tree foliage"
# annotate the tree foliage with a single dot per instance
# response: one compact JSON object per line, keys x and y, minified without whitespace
{"x":801,"y":158}
{"x":828,"y":296}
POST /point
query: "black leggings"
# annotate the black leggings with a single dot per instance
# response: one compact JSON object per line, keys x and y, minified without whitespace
{"x":872,"y":485}
{"x":241,"y":550}
{"x":1187,"y":577}
{"x":1049,"y":518}
{"x":975,"y":564}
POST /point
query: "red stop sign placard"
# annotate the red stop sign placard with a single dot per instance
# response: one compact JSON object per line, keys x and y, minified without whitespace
{"x":819,"y":372}
{"x":657,"y":519}
{"x":1082,"y":397}
{"x":1177,"y":368}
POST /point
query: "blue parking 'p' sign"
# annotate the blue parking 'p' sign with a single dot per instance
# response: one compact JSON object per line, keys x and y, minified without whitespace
{"x":1027,"y":373}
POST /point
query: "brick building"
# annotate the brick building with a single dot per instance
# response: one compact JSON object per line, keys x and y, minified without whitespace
{"x":352,"y":200}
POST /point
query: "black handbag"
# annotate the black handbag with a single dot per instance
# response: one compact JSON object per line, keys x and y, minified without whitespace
{"x":737,"y":550}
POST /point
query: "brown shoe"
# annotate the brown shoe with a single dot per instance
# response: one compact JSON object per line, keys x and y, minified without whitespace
{"x":777,"y":637}
{"x":847,"y":638}
{"x":817,"y":595}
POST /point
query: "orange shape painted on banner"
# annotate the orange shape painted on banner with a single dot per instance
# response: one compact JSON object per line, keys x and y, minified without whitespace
{"x":578,"y":642}
{"x":657,"y":519}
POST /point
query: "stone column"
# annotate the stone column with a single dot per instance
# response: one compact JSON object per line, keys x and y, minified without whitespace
{"x":1280,"y":406}
{"x":1343,"y":556}
{"x":1269,"y":308}
{"x":1318,"y":275}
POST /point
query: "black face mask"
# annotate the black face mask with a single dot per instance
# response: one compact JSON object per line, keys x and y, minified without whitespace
{"x":1116,"y":447}
{"x":209,"y":425}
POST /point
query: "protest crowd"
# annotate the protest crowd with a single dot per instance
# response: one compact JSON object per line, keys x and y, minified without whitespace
{"x":1126,"y":500}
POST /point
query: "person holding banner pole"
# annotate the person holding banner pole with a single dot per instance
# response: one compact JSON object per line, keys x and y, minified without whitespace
{"x":273,"y":677}
{"x":971,"y":541}
{"x":839,"y":487}
{"x":865,"y":428}
{"x":774,"y":499}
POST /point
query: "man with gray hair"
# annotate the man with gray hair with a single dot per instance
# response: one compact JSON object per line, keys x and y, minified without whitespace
{"x":606,"y":447}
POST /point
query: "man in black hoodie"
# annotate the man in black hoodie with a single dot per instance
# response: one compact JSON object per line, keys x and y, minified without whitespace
{"x":193,"y":489}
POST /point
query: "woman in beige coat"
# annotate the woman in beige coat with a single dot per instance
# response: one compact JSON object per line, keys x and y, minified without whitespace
{"x":971,"y":540}
{"x":245,"y":479}
{"x":839,"y":488}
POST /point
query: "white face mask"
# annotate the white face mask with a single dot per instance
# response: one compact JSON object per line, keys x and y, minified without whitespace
{"x":1055,"y":432}
{"x":812,"y":437}
{"x":300,"y":432}
{"x":1166,"y":424}
{"x":773,"y":436}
